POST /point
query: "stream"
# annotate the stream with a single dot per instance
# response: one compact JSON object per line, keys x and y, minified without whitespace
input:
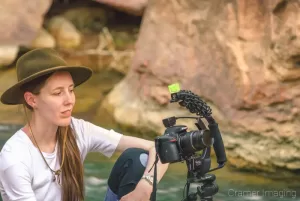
{"x":233,"y":185}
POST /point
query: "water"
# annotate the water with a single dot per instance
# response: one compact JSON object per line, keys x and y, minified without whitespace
{"x":233,"y":186}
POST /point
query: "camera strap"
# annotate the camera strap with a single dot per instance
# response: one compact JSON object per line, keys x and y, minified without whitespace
{"x":153,"y":195}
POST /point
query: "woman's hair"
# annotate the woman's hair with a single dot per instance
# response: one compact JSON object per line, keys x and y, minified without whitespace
{"x":72,"y":170}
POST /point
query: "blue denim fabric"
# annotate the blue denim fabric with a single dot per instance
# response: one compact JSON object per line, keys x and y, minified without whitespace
{"x":110,"y":196}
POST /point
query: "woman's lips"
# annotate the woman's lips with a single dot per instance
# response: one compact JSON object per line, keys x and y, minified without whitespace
{"x":66,"y":113}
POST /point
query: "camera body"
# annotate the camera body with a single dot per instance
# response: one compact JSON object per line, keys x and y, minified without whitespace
{"x":177,"y":144}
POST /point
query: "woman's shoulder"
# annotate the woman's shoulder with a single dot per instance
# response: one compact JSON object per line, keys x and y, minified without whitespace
{"x":84,"y":128}
{"x":78,"y":125}
{"x":15,"y":150}
{"x":75,"y":122}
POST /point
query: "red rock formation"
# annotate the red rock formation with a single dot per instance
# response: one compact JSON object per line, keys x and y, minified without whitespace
{"x":20,"y":21}
{"x":135,"y":7}
{"x":242,"y":56}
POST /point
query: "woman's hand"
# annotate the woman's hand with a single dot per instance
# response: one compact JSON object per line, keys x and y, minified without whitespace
{"x":142,"y":192}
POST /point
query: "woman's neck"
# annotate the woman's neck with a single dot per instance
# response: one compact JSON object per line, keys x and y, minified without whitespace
{"x":44,"y":133}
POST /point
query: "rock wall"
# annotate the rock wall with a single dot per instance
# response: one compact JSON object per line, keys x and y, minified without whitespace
{"x":240,"y":56}
{"x":134,"y":7}
{"x":20,"y":24}
{"x":20,"y":21}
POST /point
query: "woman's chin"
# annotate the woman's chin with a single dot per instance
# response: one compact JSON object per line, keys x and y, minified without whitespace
{"x":64,"y":122}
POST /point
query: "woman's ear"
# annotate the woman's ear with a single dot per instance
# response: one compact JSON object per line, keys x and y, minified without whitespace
{"x":30,"y":99}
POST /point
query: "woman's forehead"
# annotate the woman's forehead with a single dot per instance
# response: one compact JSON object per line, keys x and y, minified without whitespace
{"x":61,"y":78}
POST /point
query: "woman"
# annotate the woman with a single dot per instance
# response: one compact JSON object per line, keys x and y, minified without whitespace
{"x":43,"y":161}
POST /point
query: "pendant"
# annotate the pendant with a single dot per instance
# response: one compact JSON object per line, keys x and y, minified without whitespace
{"x":56,"y":174}
{"x":53,"y":178}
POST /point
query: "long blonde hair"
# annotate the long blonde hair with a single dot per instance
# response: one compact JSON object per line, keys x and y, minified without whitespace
{"x":72,"y":169}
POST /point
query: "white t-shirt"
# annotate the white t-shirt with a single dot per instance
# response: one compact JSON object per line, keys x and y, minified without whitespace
{"x":24,"y":176}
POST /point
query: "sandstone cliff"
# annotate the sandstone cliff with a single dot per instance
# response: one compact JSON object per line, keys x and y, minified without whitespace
{"x":20,"y":21}
{"x":241,"y":56}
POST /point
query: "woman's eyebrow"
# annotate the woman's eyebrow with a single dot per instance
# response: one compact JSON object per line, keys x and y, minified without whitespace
{"x":60,"y":87}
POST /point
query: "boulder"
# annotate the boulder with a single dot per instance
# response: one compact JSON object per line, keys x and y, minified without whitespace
{"x":64,"y":32}
{"x":8,"y":54}
{"x":43,"y":40}
{"x":20,"y":21}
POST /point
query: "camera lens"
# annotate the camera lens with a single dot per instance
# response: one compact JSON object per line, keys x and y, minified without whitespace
{"x":191,"y":142}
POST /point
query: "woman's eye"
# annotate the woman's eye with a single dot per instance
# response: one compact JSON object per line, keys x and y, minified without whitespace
{"x":57,"y":93}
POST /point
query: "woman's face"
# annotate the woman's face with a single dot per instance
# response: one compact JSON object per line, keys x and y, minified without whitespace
{"x":56,"y":99}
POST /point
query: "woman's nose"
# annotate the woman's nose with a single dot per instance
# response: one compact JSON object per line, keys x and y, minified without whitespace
{"x":69,"y":98}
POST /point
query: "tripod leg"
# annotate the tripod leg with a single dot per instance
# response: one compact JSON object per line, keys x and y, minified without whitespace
{"x":187,"y":189}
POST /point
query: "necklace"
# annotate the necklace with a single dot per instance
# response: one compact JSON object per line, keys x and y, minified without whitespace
{"x":56,"y":173}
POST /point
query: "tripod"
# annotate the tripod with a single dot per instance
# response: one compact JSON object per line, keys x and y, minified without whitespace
{"x":205,"y":190}
{"x":198,"y":166}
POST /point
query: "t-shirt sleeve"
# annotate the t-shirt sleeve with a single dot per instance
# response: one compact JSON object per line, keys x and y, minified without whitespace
{"x":93,"y":138}
{"x":17,"y":183}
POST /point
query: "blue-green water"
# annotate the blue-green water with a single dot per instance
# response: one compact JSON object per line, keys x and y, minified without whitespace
{"x":233,"y":185}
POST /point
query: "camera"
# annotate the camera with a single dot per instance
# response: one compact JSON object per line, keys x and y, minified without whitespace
{"x":177,"y":144}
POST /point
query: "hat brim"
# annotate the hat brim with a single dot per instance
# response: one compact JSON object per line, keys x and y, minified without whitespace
{"x":14,"y":94}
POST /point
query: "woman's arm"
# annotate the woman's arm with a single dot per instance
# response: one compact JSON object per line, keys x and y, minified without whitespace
{"x":16,"y":183}
{"x":134,"y":142}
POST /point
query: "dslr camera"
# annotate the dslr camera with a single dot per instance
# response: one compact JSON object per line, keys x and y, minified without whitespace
{"x":177,"y":144}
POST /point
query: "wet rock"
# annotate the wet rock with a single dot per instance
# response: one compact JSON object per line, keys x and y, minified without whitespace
{"x":105,"y":54}
{"x":87,"y":19}
{"x":43,"y":40}
{"x":8,"y":54}
{"x":64,"y":32}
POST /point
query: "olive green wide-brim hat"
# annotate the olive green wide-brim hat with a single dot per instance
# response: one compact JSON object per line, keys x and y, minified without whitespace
{"x":39,"y":62}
